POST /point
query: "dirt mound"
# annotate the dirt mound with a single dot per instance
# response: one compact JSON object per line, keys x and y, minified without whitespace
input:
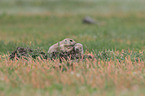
{"x":34,"y":53}
{"x":27,"y":52}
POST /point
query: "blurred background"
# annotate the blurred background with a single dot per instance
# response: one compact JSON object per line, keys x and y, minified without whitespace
{"x":41,"y":23}
{"x":71,"y":6}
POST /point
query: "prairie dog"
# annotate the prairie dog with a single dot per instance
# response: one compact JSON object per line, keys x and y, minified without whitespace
{"x":78,"y":48}
{"x":65,"y":45}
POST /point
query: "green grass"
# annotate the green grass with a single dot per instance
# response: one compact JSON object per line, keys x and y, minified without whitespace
{"x":40,"y":24}
{"x":43,"y":31}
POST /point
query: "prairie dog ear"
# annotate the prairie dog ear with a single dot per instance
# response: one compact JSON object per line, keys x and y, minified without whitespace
{"x":65,"y":41}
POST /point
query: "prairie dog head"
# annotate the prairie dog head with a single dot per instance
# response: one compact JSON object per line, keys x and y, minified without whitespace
{"x":68,"y":42}
{"x":78,"y":47}
{"x":66,"y":45}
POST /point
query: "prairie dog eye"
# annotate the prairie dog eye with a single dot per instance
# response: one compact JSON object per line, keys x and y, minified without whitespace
{"x":71,"y":40}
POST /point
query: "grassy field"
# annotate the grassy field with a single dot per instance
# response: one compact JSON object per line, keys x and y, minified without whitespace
{"x":118,"y":43}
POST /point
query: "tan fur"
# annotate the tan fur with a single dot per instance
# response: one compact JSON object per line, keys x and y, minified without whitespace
{"x":65,"y":45}
{"x":78,"y":48}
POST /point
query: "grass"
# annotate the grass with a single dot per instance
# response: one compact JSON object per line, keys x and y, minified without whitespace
{"x":118,"y":44}
{"x":97,"y":77}
{"x":117,"y":33}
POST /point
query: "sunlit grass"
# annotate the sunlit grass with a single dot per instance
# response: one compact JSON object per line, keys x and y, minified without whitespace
{"x":97,"y":76}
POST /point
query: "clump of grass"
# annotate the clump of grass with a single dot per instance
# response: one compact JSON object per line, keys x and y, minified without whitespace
{"x":112,"y":55}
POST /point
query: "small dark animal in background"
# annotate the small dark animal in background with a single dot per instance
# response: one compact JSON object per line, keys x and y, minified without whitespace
{"x":89,"y":20}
